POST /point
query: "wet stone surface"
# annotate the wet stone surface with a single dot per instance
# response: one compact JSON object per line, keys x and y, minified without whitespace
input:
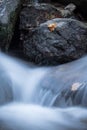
{"x":8,"y":16}
{"x":56,"y":41}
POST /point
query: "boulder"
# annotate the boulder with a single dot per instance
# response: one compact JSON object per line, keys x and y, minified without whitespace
{"x":8,"y":15}
{"x":55,"y":41}
{"x":32,"y":15}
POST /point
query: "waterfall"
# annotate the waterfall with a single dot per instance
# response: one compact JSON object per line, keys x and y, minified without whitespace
{"x":24,"y":79}
{"x":28,"y":102}
{"x":23,"y":82}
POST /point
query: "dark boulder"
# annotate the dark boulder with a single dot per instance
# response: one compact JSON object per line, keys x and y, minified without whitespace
{"x":8,"y":15}
{"x":56,"y":41}
{"x":31,"y":16}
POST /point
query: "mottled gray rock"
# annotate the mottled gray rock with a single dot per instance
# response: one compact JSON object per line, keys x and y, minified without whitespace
{"x":32,"y":15}
{"x":8,"y":16}
{"x":66,"y":42}
{"x":41,"y":13}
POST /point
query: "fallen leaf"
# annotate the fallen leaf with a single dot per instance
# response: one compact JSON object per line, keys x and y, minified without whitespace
{"x":52,"y":26}
{"x":75,"y":86}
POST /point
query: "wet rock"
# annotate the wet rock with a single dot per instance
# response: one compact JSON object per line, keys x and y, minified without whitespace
{"x":8,"y":15}
{"x":56,"y":41}
{"x":32,"y":15}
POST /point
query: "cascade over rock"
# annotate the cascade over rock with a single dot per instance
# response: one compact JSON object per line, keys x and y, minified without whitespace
{"x":65,"y":85}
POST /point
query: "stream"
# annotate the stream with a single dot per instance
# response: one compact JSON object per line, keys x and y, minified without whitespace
{"x":23,"y":112}
{"x":27,"y":104}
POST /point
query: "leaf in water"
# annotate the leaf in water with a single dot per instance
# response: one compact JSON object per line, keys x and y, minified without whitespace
{"x":75,"y":86}
{"x":52,"y":26}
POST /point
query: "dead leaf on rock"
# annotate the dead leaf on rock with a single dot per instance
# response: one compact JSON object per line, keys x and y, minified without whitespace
{"x":75,"y":86}
{"x":52,"y":26}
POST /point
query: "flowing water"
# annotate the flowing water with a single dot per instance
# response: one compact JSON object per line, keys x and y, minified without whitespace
{"x":22,"y":81}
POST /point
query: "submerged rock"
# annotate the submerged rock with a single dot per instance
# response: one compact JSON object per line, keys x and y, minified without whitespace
{"x":74,"y":95}
{"x":55,"y":41}
{"x":8,"y":16}
{"x":65,"y":85}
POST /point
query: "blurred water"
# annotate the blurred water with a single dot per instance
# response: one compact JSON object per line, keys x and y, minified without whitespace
{"x":24,"y":79}
{"x":26,"y":112}
{"x":33,"y":117}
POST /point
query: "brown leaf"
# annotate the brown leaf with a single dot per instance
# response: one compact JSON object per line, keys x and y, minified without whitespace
{"x":52,"y":26}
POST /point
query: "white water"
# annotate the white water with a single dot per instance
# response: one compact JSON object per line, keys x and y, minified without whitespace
{"x":22,"y":113}
{"x":24,"y":79}
{"x":32,"y":117}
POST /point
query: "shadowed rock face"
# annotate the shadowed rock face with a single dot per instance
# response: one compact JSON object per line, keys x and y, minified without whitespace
{"x":33,"y":15}
{"x":81,"y":5}
{"x":8,"y":15}
{"x":56,"y":41}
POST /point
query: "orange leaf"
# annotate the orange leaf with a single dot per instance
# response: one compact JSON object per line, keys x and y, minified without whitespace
{"x":52,"y":26}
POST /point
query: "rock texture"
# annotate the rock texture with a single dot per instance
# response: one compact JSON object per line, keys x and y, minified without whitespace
{"x":8,"y":16}
{"x":33,"y":15}
{"x":56,"y":41}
